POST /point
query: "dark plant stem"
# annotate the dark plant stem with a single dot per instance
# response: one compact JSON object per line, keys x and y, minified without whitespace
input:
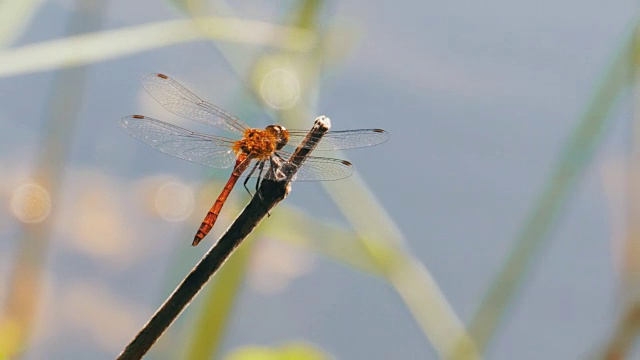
{"x":270,"y":194}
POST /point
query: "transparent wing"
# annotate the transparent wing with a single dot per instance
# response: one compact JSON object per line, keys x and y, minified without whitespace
{"x":180,"y":101}
{"x":339,"y":140}
{"x":313,"y":169}
{"x":323,"y":169}
{"x":208,"y":150}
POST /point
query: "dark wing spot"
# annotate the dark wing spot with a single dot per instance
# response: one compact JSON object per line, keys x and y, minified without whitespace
{"x":378,"y":130}
{"x":163,"y":76}
{"x":137,"y":116}
{"x":345,"y":162}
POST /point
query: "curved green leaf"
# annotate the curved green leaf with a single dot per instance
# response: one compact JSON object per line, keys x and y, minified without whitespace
{"x":105,"y":45}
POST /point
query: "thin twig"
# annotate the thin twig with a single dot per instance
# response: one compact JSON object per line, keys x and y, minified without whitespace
{"x":269,"y":194}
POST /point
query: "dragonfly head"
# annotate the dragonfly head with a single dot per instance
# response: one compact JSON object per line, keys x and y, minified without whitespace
{"x":280,"y":134}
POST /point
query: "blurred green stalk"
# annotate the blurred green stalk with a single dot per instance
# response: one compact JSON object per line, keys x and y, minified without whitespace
{"x":536,"y":230}
{"x":65,"y":99}
{"x":208,"y":332}
{"x":15,"y":16}
{"x":382,"y":244}
{"x":219,"y":300}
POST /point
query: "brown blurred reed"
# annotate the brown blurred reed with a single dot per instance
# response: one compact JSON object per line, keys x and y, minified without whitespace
{"x":20,"y":311}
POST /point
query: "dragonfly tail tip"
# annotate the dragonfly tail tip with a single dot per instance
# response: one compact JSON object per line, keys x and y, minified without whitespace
{"x":197,"y":239}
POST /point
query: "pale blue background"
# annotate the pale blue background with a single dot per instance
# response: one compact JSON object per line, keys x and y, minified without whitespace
{"x":479,"y":97}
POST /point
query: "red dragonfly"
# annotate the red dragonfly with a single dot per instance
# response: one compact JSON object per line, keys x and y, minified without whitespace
{"x":263,"y":151}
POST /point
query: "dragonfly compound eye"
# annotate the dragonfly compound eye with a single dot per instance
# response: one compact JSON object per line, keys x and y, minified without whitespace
{"x":280,"y":134}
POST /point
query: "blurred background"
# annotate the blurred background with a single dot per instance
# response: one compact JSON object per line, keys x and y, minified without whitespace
{"x":499,"y":221}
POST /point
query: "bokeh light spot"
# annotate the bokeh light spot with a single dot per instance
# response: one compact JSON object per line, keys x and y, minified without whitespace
{"x":280,"y":88}
{"x":108,"y":319}
{"x":31,"y":203}
{"x":275,"y":264}
{"x":174,"y":201}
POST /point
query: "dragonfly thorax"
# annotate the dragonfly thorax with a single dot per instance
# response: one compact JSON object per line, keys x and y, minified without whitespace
{"x":262,"y":143}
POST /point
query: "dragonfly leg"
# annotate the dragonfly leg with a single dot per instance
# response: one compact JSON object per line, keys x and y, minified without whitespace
{"x":259,"y":181}
{"x":278,"y":163}
{"x":259,"y":178}
{"x":249,"y":176}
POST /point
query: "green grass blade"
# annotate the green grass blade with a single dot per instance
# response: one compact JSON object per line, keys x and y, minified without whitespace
{"x":382,"y":246}
{"x":288,"y":351}
{"x":212,"y":320}
{"x":105,"y":45}
{"x":385,"y":246}
{"x":535,"y":232}
{"x":209,"y":331}
{"x":15,"y":16}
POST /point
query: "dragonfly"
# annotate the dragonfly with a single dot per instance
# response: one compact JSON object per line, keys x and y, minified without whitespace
{"x":253,"y":153}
